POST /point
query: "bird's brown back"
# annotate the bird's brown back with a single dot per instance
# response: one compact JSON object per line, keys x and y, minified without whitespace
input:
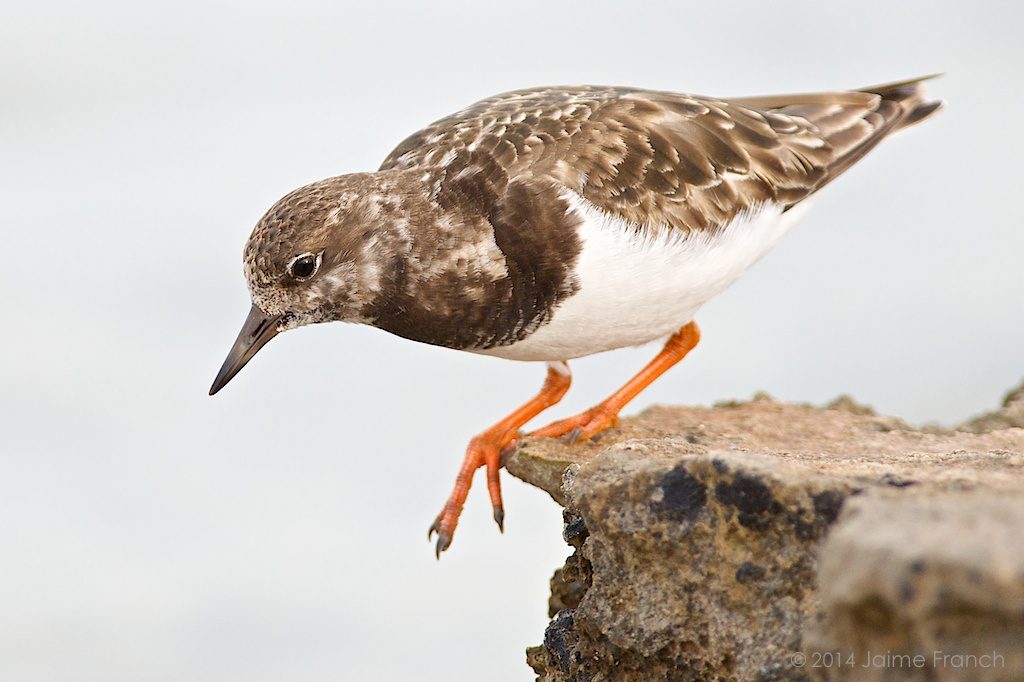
{"x":685,"y":161}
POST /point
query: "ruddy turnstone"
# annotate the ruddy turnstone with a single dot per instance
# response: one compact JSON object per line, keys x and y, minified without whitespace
{"x":554,"y":223}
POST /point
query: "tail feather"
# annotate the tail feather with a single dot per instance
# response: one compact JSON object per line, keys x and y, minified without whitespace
{"x":910,"y":96}
{"x":901,"y":105}
{"x":852,"y":122}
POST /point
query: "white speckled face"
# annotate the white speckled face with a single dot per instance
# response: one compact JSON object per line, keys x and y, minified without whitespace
{"x":318,"y":254}
{"x":333,"y":288}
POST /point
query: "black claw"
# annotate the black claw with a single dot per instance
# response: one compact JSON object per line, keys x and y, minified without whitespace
{"x":433,"y":528}
{"x":574,"y":435}
{"x":443,"y":543}
{"x":499,"y":518}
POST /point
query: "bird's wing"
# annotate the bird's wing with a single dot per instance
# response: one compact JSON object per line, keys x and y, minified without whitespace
{"x":692,"y":162}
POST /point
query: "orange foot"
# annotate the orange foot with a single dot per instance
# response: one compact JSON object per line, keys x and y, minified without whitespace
{"x":485,"y":450}
{"x":582,"y":426}
{"x":488,"y":449}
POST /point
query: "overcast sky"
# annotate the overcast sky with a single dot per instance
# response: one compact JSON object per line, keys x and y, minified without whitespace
{"x":277,"y":531}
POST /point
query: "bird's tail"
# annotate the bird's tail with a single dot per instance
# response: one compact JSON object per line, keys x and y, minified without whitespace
{"x":910,"y":97}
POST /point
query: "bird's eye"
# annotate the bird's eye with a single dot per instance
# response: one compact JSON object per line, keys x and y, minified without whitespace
{"x":304,"y":266}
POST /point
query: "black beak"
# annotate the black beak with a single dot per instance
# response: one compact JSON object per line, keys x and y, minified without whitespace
{"x":256,"y":331}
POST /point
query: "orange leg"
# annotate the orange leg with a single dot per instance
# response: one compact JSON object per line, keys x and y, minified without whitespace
{"x":486,"y":449}
{"x":606,"y":414}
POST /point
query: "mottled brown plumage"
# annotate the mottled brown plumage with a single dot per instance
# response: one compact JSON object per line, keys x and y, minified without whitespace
{"x":686,"y":161}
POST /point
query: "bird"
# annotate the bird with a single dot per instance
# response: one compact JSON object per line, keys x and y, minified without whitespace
{"x":553,"y":223}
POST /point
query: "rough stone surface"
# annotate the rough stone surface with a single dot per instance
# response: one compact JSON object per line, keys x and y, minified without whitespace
{"x":1010,"y":415}
{"x":745,"y":541}
{"x":945,"y":581}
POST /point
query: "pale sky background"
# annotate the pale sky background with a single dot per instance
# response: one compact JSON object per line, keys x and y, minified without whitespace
{"x":277,"y":531}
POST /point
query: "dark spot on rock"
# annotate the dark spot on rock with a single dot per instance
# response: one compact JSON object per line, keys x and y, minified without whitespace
{"x":683,"y":495}
{"x":746,"y":492}
{"x":826,"y":508}
{"x":827,"y":505}
{"x":874,"y":613}
{"x":749,"y":571}
{"x":804,"y":530}
{"x":692,"y":438}
{"x":917,"y":567}
{"x":720,"y":465}
{"x":906,"y":591}
{"x":574,"y":530}
{"x":896,"y":481}
{"x":559,"y":639}
{"x":751,"y":497}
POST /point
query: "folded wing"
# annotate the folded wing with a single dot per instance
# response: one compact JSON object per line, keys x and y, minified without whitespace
{"x":684,"y":161}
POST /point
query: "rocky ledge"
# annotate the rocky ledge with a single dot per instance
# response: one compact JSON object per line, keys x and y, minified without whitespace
{"x":768,"y":541}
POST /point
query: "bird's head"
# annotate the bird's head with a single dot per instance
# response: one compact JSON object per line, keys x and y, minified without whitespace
{"x":318,"y":255}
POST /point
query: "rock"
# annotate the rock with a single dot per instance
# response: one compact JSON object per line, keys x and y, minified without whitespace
{"x":941,"y":585}
{"x":712,"y":543}
{"x":1010,"y":415}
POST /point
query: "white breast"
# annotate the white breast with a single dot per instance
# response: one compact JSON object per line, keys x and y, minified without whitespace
{"x":636,"y":286}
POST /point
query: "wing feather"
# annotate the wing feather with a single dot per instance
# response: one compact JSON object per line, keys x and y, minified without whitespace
{"x":685,"y":161}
